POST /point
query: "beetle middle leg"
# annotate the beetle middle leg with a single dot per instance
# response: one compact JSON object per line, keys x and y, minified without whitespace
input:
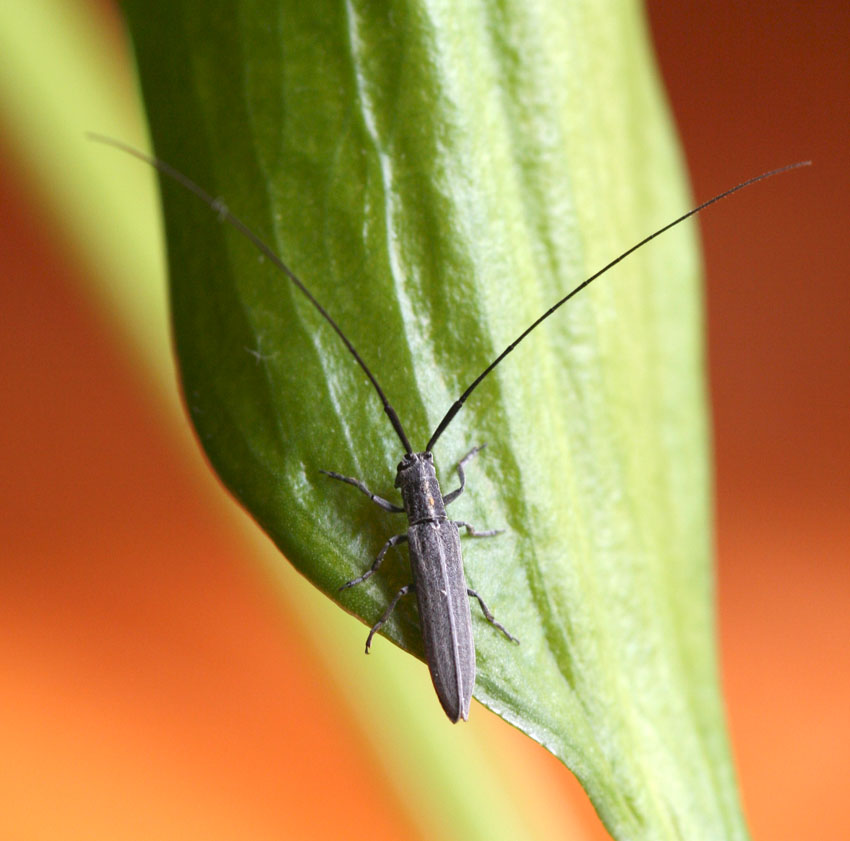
{"x":361,"y":486}
{"x":473,"y":532}
{"x":489,"y":616}
{"x":380,"y":623}
{"x":393,"y":541}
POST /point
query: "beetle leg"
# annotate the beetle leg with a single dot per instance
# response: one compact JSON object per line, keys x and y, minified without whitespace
{"x":489,"y":616}
{"x":379,"y":624}
{"x":387,"y":506}
{"x":471,"y":531}
{"x":393,"y":541}
{"x":451,"y":497}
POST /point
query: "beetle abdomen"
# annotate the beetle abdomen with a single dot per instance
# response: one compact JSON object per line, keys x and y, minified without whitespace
{"x":444,"y":613}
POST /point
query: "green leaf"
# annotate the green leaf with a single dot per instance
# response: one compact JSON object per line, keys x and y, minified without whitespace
{"x":439,"y":174}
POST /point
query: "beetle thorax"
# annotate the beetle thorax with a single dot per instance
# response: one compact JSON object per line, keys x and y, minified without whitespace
{"x":417,"y":480}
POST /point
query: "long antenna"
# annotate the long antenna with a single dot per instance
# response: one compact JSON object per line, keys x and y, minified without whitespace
{"x":226,"y":216}
{"x":458,"y":404}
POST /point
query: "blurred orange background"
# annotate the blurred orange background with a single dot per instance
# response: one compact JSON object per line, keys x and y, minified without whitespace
{"x":151,"y":687}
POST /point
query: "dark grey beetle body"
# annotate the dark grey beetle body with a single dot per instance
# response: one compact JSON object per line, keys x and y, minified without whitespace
{"x":434,"y":539}
{"x":438,"y":578}
{"x":440,"y":585}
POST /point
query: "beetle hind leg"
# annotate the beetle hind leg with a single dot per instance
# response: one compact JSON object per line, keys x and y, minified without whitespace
{"x":489,"y":616}
{"x":380,"y":623}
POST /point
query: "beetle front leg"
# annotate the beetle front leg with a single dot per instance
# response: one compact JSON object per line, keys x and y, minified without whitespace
{"x":451,"y":497}
{"x":387,"y":506}
{"x":489,"y":616}
{"x":393,"y":541}
{"x":379,"y":624}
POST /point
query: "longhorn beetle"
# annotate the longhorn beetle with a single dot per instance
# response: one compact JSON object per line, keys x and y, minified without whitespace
{"x":433,"y":539}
